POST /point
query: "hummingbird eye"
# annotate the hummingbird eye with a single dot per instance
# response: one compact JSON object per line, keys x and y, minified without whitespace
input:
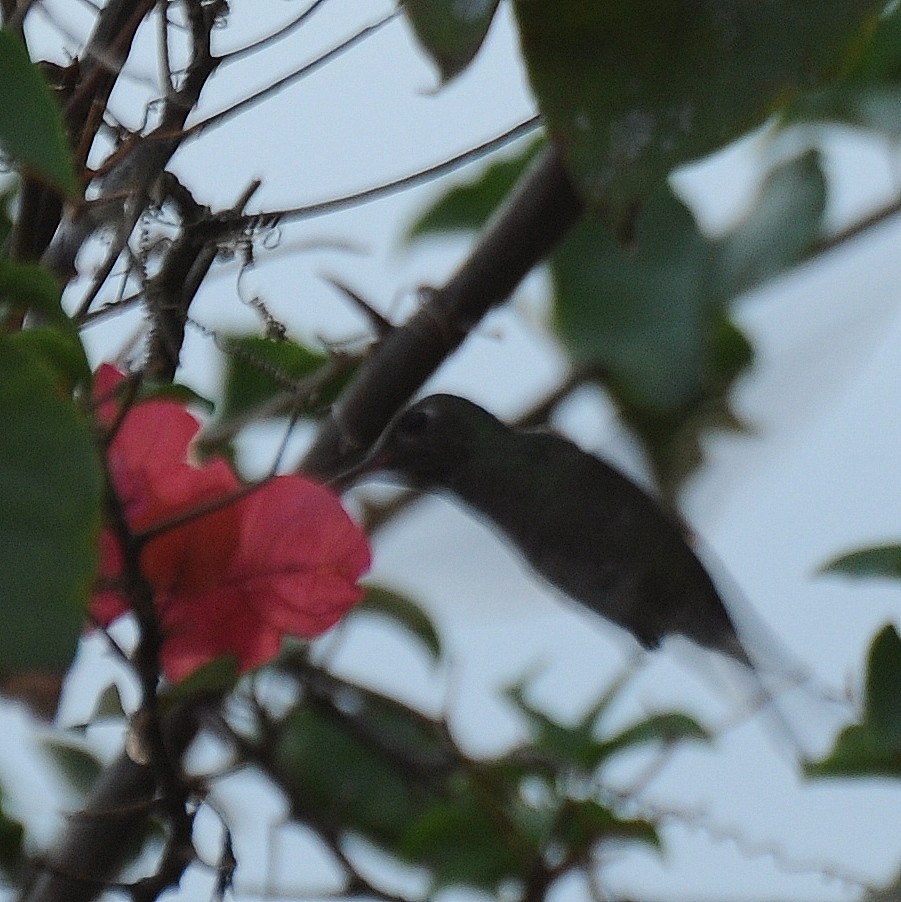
{"x":412,"y":423}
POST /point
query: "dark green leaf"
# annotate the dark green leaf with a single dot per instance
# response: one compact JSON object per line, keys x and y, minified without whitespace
{"x":28,"y":287}
{"x":883,"y":711}
{"x":31,"y":131}
{"x":11,"y":836}
{"x":451,"y":33}
{"x":664,"y":729}
{"x":173,"y":391}
{"x":62,"y":351}
{"x":215,"y":678}
{"x":651,"y":319}
{"x":630,"y":93}
{"x":80,"y":767}
{"x":578,"y":746}
{"x":872,"y":747}
{"x":50,"y":499}
{"x":109,"y":706}
{"x":404,"y":612}
{"x":468,"y":207}
{"x":572,"y":747}
{"x":463,"y":843}
{"x":881,"y":561}
{"x":341,"y":779}
{"x":7,"y":198}
{"x":640,"y":315}
{"x":868,"y":93}
{"x":784,"y":223}
{"x":857,"y":753}
{"x":261,"y":370}
{"x":25,"y":286}
{"x":406,"y":736}
{"x":583,"y":824}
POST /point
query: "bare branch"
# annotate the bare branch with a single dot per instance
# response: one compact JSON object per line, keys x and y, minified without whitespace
{"x":420,"y":177}
{"x":543,"y":209}
{"x":286,"y":29}
{"x":95,"y":843}
{"x":276,"y":86}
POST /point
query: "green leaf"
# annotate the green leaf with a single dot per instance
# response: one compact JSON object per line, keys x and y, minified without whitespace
{"x":663,"y":729}
{"x":403,"y":734}
{"x":883,"y":702}
{"x":578,"y":746}
{"x":856,"y":753}
{"x":630,"y":91}
{"x":11,"y":836}
{"x":404,"y":612}
{"x":342,"y":779}
{"x":883,"y":560}
{"x":261,"y":370}
{"x":7,"y":199}
{"x":585,"y":823}
{"x":868,"y":94}
{"x":214,"y":678}
{"x":173,"y":391}
{"x":783,"y":225}
{"x":26,"y":286}
{"x":31,"y":131}
{"x":77,"y":763}
{"x":450,"y":33}
{"x":640,"y":315}
{"x":61,"y":350}
{"x":651,"y":319}
{"x":574,"y":747}
{"x":872,"y":747}
{"x":109,"y":705}
{"x":464,"y":844}
{"x":468,"y":207}
{"x":50,"y":502}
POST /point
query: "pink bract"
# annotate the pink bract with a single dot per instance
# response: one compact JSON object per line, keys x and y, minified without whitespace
{"x":281,"y":560}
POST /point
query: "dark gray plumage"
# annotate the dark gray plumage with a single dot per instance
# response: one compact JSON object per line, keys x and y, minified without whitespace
{"x":582,"y":525}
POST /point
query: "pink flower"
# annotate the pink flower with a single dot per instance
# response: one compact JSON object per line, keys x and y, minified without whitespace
{"x":283,"y":560}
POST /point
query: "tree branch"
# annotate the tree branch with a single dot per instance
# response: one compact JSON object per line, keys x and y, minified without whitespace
{"x":97,"y":840}
{"x":540,"y":212}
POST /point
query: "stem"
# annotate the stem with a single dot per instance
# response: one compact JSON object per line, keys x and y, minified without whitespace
{"x":538,"y":215}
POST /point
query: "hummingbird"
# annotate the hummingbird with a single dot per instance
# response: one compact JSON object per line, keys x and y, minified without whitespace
{"x":582,"y":525}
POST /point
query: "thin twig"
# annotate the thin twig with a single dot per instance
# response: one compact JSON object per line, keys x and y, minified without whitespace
{"x":237,"y":108}
{"x":250,"y":49}
{"x":385,"y":189}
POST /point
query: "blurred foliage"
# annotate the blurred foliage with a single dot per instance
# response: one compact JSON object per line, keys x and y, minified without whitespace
{"x":75,"y":762}
{"x":872,"y":747}
{"x":631,"y":91}
{"x":643,"y":307}
{"x":450,"y":33}
{"x":868,"y":93}
{"x":467,"y":207}
{"x":263,"y":377}
{"x":11,"y":836}
{"x":31,"y":131}
{"x":884,"y":560}
{"x":403,"y":612}
{"x":355,"y":762}
{"x":50,"y":500}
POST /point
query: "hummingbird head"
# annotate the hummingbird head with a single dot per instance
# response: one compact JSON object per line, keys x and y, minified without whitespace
{"x":428,"y":444}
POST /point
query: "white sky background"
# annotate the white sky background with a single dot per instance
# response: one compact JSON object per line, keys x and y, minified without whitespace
{"x":817,"y":477}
